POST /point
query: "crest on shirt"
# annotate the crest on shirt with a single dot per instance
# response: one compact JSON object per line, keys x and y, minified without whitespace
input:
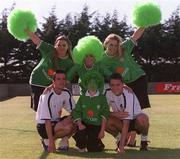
{"x":98,"y":106}
{"x":90,"y":113}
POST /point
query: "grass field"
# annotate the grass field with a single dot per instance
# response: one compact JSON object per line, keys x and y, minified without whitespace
{"x":19,"y":139}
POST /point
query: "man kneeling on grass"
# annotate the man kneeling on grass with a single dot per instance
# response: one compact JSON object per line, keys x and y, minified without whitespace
{"x":127,"y":114}
{"x":49,"y":124}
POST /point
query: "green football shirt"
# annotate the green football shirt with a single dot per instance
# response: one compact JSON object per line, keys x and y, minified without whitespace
{"x":91,"y":110}
{"x":42,"y":74}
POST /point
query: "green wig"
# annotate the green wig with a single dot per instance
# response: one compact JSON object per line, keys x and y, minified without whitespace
{"x":93,"y":79}
{"x":146,"y":14}
{"x":20,"y":20}
{"x":88,"y":45}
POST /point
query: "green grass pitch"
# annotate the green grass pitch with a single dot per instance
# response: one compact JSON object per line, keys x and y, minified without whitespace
{"x":19,"y":139}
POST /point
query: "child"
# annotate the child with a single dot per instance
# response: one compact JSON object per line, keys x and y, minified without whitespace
{"x":90,"y":114}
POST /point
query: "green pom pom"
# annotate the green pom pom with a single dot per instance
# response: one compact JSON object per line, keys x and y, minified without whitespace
{"x":88,"y":45}
{"x":146,"y":14}
{"x":93,"y":79}
{"x":18,"y":21}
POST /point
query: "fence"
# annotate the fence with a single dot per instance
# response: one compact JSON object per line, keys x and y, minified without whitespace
{"x":12,"y":90}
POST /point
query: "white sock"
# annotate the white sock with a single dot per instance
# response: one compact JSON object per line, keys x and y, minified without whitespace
{"x":144,"y":137}
{"x":46,"y":141}
{"x":64,"y":142}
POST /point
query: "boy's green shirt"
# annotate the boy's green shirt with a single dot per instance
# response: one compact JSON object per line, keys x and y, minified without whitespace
{"x":91,"y":110}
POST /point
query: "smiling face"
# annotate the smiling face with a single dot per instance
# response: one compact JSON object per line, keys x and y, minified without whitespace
{"x":62,"y":47}
{"x":116,"y":86}
{"x":89,"y":61}
{"x":112,"y":45}
{"x":59,"y":82}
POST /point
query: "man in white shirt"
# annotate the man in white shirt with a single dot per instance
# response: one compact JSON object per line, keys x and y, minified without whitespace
{"x":49,"y":124}
{"x":126,"y":113}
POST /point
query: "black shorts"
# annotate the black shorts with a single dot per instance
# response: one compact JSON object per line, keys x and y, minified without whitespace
{"x":35,"y":94}
{"x":41,"y":128}
{"x":132,"y":126}
{"x":88,"y":138}
{"x":140,"y":89}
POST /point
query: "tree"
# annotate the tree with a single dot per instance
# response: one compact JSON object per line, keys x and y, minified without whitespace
{"x":50,"y":29}
{"x":81,"y":26}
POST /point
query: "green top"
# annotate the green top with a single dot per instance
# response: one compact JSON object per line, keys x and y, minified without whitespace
{"x":91,"y":110}
{"x":132,"y":70}
{"x":127,"y":66}
{"x":81,"y":70}
{"x":43,"y":72}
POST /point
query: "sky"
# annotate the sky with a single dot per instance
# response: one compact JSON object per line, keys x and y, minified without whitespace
{"x":42,"y":8}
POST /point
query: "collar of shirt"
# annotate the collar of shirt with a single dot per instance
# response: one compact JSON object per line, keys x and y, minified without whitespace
{"x":88,"y":68}
{"x":87,"y":94}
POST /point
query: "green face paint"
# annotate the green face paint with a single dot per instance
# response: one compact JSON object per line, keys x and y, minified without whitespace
{"x":92,"y":85}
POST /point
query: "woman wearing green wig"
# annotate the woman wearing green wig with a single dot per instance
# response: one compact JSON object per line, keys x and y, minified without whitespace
{"x":87,"y":55}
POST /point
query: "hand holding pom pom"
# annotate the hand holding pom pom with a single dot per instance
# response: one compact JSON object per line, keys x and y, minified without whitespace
{"x":19,"y":21}
{"x":146,"y":14}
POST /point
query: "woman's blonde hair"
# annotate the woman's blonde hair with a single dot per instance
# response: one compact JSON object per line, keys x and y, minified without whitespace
{"x":116,"y":38}
{"x":69,"y":50}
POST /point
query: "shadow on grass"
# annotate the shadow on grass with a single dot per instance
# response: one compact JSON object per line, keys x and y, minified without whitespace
{"x":44,"y":155}
{"x":154,"y":152}
{"x":5,"y":98}
{"x":20,"y":130}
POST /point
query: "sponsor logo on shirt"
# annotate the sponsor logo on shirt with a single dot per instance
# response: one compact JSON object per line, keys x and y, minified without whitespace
{"x":119,"y":70}
{"x":93,"y":119}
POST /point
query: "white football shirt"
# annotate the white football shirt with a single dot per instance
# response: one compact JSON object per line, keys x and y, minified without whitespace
{"x":127,"y":101}
{"x":51,"y":104}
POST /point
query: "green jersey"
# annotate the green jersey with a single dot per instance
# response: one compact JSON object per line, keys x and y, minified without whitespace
{"x":111,"y":62}
{"x":43,"y":72}
{"x":81,"y":70}
{"x":91,"y":109}
{"x":131,"y":70}
{"x":126,"y":66}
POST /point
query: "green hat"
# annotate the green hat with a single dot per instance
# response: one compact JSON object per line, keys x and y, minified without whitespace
{"x":93,"y":80}
{"x":88,"y":45}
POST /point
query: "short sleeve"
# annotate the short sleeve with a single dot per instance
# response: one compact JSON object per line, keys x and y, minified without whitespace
{"x":43,"y":112}
{"x":132,"y":106}
{"x":105,"y":109}
{"x":69,"y":102}
{"x":78,"y":110}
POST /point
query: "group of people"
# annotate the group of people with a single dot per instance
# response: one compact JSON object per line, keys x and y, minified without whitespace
{"x":95,"y":64}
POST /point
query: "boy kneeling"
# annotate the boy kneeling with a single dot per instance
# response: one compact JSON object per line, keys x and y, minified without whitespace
{"x":90,"y":114}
